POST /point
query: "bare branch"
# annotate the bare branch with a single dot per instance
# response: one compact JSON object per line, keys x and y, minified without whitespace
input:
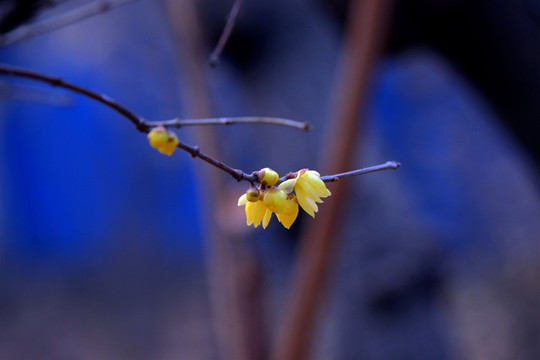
{"x":145,"y":126}
{"x":178,"y":123}
{"x":26,"y":32}
{"x":227,"y":30}
{"x":389,"y":165}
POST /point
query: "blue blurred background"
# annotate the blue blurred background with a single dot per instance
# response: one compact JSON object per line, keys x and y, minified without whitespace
{"x":102,"y":250}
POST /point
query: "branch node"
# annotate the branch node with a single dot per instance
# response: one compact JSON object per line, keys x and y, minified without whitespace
{"x":238,"y":175}
{"x":142,"y":126}
{"x":195,"y":152}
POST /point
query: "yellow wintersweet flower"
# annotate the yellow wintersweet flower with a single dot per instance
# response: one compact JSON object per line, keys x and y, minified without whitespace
{"x":255,"y":211}
{"x":290,"y":212}
{"x":275,"y":200}
{"x":309,"y":189}
{"x":305,"y":189}
{"x":163,"y":140}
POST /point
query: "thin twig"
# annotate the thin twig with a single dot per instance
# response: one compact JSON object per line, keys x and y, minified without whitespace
{"x":26,"y":32}
{"x":178,"y":123}
{"x":389,"y":165}
{"x":227,"y":30}
{"x":145,"y":126}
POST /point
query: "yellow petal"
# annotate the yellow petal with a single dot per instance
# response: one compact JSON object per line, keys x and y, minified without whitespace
{"x":275,"y":199}
{"x":255,"y":212}
{"x":290,"y":213}
{"x":314,"y":180}
{"x":308,"y":191}
{"x":287,"y":186}
{"x":302,"y":200}
{"x":312,"y":204}
{"x":266,"y":218}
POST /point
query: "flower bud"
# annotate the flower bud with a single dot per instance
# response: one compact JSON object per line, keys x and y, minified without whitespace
{"x":268,"y":177}
{"x":158,"y":137}
{"x":169,"y":147}
{"x":253,"y":194}
{"x":275,"y":199}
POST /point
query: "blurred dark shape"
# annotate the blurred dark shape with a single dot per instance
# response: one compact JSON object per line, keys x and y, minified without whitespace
{"x":253,"y":35}
{"x":493,"y":43}
{"x":14,"y":13}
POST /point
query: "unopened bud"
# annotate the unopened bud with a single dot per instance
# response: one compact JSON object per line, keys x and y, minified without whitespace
{"x":169,"y":147}
{"x":253,"y":194}
{"x":158,"y":137}
{"x":268,"y":177}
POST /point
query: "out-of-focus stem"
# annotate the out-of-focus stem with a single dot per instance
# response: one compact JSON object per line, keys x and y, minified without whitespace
{"x":366,"y":26}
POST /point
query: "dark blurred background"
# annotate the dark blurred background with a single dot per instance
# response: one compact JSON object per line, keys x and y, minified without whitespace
{"x":104,"y":250}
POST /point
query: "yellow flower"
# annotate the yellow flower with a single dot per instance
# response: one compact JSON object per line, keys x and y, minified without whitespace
{"x":309,"y":189}
{"x":274,"y":201}
{"x":255,"y":211}
{"x":288,"y":210}
{"x":163,"y":140}
{"x":289,"y":214}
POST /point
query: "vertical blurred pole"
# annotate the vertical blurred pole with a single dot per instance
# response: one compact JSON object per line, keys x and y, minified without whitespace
{"x":232,"y":276}
{"x":364,"y":34}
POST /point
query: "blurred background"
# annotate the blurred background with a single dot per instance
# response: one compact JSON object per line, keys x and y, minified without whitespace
{"x":111,"y":250}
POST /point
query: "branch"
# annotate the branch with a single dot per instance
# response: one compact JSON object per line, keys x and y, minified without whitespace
{"x":26,"y":32}
{"x":229,"y":25}
{"x":389,"y":165}
{"x":138,"y":121}
{"x":178,"y":123}
{"x":145,"y":126}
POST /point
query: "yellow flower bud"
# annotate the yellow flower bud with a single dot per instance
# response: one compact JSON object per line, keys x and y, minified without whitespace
{"x":268,"y":177}
{"x":169,"y":147}
{"x":253,"y":194}
{"x":158,"y":137}
{"x":275,"y":199}
{"x":163,"y":140}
